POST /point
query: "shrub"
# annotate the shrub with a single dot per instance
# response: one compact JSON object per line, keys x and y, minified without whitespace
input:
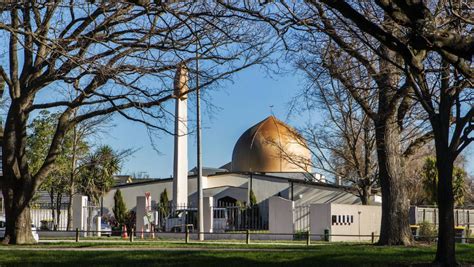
{"x":427,"y":232}
{"x":119,"y":209}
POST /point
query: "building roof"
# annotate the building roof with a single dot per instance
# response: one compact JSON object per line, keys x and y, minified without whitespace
{"x":271,"y":146}
{"x":255,"y":175}
{"x":206,"y":171}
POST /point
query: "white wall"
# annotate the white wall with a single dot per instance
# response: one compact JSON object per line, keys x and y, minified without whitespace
{"x":280,"y":215}
{"x":130,"y":193}
{"x":365,"y":220}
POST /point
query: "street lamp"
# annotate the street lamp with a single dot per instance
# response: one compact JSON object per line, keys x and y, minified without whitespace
{"x":199,"y":152}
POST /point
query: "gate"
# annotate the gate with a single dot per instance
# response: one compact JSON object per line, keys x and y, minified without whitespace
{"x":237,"y":218}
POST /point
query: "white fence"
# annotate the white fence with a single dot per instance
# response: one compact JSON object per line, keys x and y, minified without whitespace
{"x":43,"y":219}
{"x":462,"y":217}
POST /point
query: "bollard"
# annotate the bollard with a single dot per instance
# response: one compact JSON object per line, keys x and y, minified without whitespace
{"x":373,"y":237}
{"x":77,"y":234}
{"x":248,"y":237}
{"x":327,"y":234}
{"x":186,"y":236}
{"x":131,"y":234}
{"x":308,"y":238}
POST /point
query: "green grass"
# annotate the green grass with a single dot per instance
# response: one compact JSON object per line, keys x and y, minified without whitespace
{"x":280,"y":255}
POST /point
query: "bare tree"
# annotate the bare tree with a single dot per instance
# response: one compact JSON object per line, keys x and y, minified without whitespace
{"x":351,"y":54}
{"x":343,"y":145}
{"x":430,"y":29}
{"x":115,"y":57}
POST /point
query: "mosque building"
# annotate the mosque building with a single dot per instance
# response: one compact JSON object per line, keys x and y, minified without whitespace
{"x":260,"y":163}
{"x":269,"y":159}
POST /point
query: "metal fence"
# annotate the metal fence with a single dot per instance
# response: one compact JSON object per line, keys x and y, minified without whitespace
{"x":239,"y":218}
{"x":226,"y":217}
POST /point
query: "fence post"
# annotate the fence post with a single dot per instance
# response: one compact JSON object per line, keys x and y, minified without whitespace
{"x":308,"y":238}
{"x":373,"y":237}
{"x":186,"y":235}
{"x":131,"y":234}
{"x":77,"y":234}
{"x":248,"y":237}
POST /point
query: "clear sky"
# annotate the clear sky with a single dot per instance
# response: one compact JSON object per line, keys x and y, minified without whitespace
{"x":241,"y":104}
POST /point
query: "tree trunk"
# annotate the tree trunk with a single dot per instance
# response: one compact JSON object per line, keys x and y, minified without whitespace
{"x":364,"y":196}
{"x":395,"y":228}
{"x":72,"y":177}
{"x":17,"y":184}
{"x":445,"y":253}
{"x":18,"y":223}
{"x":53,"y":214}
{"x":58,"y":209}
{"x":69,"y":212}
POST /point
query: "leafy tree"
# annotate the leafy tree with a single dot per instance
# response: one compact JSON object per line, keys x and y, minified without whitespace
{"x":61,"y":180}
{"x":119,"y":209}
{"x":98,"y":169}
{"x":42,"y":129}
{"x":430,"y":182}
{"x":164,"y":203}
{"x":164,"y":206}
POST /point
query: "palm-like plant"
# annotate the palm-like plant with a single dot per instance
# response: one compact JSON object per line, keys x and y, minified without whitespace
{"x":98,"y":171}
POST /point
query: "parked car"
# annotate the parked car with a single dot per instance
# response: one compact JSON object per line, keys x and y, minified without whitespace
{"x":34,"y":231}
{"x":105,"y":228}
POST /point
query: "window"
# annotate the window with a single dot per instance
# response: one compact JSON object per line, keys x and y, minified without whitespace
{"x":352,"y":219}
{"x":334,"y":219}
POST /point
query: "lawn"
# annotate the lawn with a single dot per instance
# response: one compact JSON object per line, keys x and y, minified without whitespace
{"x":268,"y":255}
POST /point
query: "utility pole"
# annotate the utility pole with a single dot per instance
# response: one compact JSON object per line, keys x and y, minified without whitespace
{"x":199,"y":153}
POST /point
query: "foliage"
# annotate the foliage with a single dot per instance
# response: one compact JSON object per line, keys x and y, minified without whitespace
{"x":164,"y":204}
{"x":130,"y":220}
{"x":430,"y":182}
{"x":252,"y":198}
{"x":427,"y":231}
{"x":42,"y":129}
{"x":96,"y":177}
{"x":119,"y":209}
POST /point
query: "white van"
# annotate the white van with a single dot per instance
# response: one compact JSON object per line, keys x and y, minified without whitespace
{"x":3,"y":224}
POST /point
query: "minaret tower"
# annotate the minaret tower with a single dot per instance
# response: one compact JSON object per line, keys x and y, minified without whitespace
{"x":180,"y":168}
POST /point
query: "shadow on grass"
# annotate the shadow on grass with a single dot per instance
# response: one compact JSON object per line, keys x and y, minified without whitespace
{"x":335,"y":255}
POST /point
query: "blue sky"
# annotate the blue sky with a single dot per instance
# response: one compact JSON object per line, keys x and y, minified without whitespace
{"x":241,"y":104}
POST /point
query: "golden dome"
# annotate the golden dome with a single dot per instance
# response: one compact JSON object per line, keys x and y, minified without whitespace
{"x":271,"y":146}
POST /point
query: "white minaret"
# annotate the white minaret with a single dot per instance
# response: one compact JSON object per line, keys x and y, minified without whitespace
{"x":180,"y":168}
